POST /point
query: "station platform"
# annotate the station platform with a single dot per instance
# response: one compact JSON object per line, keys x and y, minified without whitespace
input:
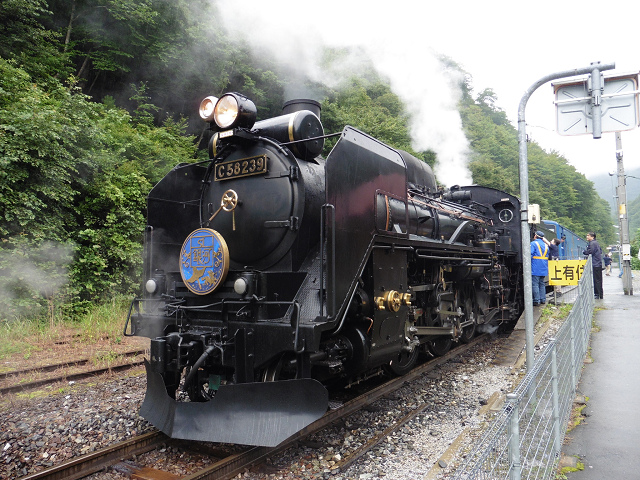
{"x":607,"y":442}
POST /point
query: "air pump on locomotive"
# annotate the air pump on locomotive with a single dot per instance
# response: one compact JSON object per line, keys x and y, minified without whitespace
{"x":272,"y":273}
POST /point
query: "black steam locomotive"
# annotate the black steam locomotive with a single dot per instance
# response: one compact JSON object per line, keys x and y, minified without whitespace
{"x":272,"y":273}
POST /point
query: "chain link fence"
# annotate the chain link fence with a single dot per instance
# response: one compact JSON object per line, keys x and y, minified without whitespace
{"x":525,"y":439}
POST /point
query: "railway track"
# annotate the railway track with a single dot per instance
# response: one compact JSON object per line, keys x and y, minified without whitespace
{"x":85,"y":465}
{"x":238,"y":462}
{"x":6,"y":387}
{"x":57,"y":366}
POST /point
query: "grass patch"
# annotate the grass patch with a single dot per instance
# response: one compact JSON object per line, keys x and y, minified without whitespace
{"x":555,"y":312}
{"x":577,"y":417}
{"x":588,"y":357}
{"x":106,"y":359}
{"x":22,"y":336}
{"x":25,"y":337}
{"x":562,"y":474}
{"x":104,"y":322}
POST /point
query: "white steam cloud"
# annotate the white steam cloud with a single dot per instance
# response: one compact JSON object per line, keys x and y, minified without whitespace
{"x":396,"y":41}
{"x":32,"y":273}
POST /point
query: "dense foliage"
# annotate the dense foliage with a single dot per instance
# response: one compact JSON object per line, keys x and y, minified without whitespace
{"x":73,"y":182}
{"x":633,"y":208}
{"x":98,"y":101}
{"x":563,"y":194}
{"x":372,"y":107}
{"x":634,"y":231}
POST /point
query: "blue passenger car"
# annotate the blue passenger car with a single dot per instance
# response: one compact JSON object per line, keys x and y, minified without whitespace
{"x":573,"y":245}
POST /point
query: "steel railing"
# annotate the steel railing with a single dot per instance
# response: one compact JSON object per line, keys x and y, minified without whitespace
{"x":525,"y":439}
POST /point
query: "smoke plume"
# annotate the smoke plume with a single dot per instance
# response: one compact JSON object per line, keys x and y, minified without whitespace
{"x":31,"y":276}
{"x":395,"y":41}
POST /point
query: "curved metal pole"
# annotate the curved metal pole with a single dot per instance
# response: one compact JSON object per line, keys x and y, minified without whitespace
{"x":524,"y":196}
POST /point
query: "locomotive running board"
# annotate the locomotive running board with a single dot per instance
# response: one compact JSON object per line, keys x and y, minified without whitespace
{"x":263,"y":414}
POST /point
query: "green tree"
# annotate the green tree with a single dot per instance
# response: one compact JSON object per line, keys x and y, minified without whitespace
{"x":494,"y":157}
{"x":635,"y":248}
{"x":109,"y":245}
{"x":169,"y":46}
{"x":111,"y":35}
{"x":72,"y":186}
{"x":633,"y":212}
{"x":27,"y":42}
{"x":47,"y":140}
{"x":370,"y":106}
{"x":563,"y":194}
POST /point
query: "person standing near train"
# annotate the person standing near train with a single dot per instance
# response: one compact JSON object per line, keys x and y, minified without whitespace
{"x":595,"y":251}
{"x":539,"y":267}
{"x":554,"y":248}
{"x":607,"y":264}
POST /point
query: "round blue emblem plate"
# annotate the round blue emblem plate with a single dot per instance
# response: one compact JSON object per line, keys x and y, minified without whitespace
{"x":204,"y":261}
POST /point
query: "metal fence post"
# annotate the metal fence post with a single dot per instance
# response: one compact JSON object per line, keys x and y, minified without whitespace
{"x":572,"y":344}
{"x":582,"y":328}
{"x":514,"y":438}
{"x":555,"y":397}
{"x":592,"y":301}
{"x":583,"y":313}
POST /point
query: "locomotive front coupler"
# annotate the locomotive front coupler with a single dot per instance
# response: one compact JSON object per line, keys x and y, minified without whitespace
{"x":176,"y":351}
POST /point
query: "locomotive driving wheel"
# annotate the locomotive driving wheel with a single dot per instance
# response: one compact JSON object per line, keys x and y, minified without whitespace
{"x":470,"y":309}
{"x":402,"y":363}
{"x":440,"y":345}
{"x":279,"y":369}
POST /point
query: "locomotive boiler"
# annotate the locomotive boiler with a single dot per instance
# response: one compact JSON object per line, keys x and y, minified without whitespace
{"x":272,"y":273}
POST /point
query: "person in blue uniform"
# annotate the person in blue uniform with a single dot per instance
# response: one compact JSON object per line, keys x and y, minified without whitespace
{"x":539,"y":268}
{"x":595,"y":251}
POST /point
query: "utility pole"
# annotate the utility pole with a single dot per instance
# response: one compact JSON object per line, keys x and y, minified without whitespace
{"x":523,"y":166}
{"x":621,"y":190}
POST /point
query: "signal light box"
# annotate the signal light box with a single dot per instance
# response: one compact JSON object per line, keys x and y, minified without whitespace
{"x":618,"y":101}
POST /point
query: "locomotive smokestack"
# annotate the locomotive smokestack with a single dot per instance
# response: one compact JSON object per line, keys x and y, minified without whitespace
{"x":301,"y":104}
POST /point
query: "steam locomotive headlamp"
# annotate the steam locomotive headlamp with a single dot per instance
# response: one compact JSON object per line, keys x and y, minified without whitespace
{"x":151,"y":286}
{"x":245,"y":285}
{"x":207,"y":107}
{"x":234,"y":110}
{"x":240,"y":286}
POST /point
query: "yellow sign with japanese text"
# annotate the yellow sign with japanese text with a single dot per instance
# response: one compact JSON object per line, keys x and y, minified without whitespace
{"x":565,"y":272}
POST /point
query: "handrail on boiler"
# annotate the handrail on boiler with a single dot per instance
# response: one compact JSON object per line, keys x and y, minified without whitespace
{"x":332,"y":294}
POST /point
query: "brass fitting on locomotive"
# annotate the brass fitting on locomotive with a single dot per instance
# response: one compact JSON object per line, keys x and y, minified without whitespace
{"x":392,"y":300}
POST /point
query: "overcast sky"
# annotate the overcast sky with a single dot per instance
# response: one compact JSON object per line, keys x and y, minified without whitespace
{"x":505,"y":45}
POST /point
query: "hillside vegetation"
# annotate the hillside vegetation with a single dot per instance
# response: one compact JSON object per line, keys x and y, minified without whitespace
{"x":98,"y":100}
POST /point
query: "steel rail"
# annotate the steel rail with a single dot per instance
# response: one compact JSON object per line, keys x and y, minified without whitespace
{"x":85,"y":465}
{"x":70,"y":377}
{"x":343,"y":464}
{"x":57,"y":366}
